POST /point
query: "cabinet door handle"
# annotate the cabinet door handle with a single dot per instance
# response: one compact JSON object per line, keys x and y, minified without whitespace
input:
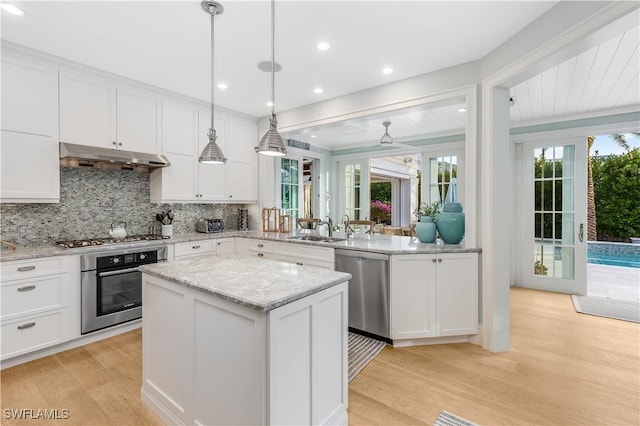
{"x":26,"y":268}
{"x":25,"y":326}
{"x":299,"y":263}
{"x":433,"y":260}
{"x":195,"y":247}
{"x":119,"y":143}
{"x":260,"y":245}
{"x":439,"y":260}
{"x":27,"y":288}
{"x":260,"y":254}
{"x":115,"y":143}
{"x":219,"y":243}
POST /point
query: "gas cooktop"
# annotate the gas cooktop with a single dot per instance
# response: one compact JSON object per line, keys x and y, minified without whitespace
{"x":105,"y":241}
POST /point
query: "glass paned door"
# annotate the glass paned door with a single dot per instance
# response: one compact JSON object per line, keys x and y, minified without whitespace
{"x":554,"y":201}
{"x":291,"y":187}
{"x":353,"y":187}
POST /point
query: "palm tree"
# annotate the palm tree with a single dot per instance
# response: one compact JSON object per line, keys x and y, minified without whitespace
{"x":592,"y":233}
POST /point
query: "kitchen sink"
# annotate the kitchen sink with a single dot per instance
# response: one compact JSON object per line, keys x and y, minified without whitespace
{"x":316,"y":238}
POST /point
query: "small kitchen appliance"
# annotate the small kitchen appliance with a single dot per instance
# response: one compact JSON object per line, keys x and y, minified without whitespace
{"x":208,"y":226}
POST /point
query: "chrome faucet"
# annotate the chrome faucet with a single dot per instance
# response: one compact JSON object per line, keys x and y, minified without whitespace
{"x":329,"y":223}
{"x":348,"y":230}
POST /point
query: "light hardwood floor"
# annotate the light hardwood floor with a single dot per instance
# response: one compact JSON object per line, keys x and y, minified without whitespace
{"x":563,"y":368}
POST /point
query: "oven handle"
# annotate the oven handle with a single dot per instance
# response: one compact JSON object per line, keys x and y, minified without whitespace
{"x":117,"y":272}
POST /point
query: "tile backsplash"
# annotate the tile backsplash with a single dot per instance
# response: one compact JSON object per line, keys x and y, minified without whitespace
{"x":90,"y":200}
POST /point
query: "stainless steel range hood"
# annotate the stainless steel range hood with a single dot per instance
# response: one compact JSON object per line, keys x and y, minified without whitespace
{"x":71,"y":151}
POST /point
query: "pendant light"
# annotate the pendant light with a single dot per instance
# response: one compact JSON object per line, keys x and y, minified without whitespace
{"x":271,"y":143}
{"x":212,"y":154}
{"x":386,"y":139}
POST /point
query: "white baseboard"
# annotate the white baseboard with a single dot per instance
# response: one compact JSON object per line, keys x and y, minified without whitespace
{"x":159,"y":409}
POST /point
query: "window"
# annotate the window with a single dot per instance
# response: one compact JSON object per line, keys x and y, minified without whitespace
{"x":443,"y":171}
{"x":353,"y":182}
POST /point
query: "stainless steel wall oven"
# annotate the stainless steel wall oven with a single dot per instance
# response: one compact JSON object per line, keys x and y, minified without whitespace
{"x":112,"y":285}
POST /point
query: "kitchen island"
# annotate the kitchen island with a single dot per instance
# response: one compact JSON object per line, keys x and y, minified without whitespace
{"x":239,"y":340}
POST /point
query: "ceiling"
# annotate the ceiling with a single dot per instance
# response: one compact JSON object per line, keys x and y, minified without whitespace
{"x":167,"y":44}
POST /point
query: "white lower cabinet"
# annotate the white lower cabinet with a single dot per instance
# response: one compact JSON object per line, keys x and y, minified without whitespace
{"x":225,"y":246}
{"x":434,"y":295}
{"x":304,"y":255}
{"x":210,"y":361}
{"x":196,"y":248}
{"x":35,"y":305}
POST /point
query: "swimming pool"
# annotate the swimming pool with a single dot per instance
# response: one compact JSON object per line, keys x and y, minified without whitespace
{"x":614,"y":254}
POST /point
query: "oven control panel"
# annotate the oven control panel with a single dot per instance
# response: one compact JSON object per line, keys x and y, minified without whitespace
{"x":127,"y":260}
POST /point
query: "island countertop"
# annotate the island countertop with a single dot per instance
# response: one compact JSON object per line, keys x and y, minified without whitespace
{"x":261,"y":284}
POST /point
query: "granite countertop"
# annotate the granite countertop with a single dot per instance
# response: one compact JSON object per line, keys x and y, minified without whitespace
{"x":386,"y":244}
{"x":261,"y":284}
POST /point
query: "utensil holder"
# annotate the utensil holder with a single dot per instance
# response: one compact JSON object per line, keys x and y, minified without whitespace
{"x":167,"y":230}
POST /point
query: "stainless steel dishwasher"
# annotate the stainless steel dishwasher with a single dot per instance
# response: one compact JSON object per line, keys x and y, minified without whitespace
{"x":368,"y":290}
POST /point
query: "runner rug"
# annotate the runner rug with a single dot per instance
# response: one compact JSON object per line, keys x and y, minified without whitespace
{"x":362,"y":350}
{"x":447,"y":419}
{"x":610,"y":308}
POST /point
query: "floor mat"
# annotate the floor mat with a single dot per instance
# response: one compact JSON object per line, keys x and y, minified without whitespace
{"x":362,"y":350}
{"x":610,"y":308}
{"x":447,"y":419}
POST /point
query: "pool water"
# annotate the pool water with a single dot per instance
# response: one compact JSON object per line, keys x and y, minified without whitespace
{"x":614,"y":254}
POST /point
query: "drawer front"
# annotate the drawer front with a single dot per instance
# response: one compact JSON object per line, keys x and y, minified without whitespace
{"x":27,"y":297}
{"x":261,"y":245}
{"x":261,"y":254}
{"x":36,"y":332}
{"x":32,"y":268}
{"x":308,"y":262}
{"x":194,"y":248}
{"x":323,"y":254}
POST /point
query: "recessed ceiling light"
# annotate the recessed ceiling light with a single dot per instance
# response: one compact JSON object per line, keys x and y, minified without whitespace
{"x":462,"y":109}
{"x":387,"y":70}
{"x":313,"y":136}
{"x":12,"y":9}
{"x":222,"y":86}
{"x":269,"y":104}
{"x":318,"y":90}
{"x":323,"y":45}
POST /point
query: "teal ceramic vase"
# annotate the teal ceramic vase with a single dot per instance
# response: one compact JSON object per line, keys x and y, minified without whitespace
{"x":450,"y":223}
{"x":426,"y":230}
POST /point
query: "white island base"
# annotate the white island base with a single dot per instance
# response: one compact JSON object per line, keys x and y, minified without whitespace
{"x":208,"y":361}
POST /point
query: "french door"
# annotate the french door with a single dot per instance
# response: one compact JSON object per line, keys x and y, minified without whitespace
{"x":353,"y":189}
{"x":554,"y":210}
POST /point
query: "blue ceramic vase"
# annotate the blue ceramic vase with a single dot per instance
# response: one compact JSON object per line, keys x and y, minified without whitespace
{"x":426,"y":230}
{"x":450,"y":223}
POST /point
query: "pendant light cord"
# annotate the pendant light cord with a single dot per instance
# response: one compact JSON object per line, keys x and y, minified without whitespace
{"x":213,"y":13}
{"x":273,"y":58}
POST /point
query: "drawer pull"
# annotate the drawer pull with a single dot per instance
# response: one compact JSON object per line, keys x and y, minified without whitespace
{"x":439,"y":260}
{"x":260,"y":245}
{"x":27,"y":325}
{"x":26,"y":268}
{"x":433,"y":260}
{"x":195,"y":247}
{"x":219,"y":243}
{"x":260,"y":254}
{"x":27,"y":288}
{"x":299,"y":263}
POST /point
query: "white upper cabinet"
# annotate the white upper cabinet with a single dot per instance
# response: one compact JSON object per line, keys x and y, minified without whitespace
{"x":29,"y":156}
{"x":242,"y":161}
{"x":87,"y":110}
{"x":138,"y":116}
{"x":184,"y":136}
{"x":96,"y":112}
{"x":177,"y":182}
{"x":29,"y":97}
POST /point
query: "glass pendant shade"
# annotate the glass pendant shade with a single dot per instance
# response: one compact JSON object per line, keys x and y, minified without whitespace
{"x":271,"y":143}
{"x":212,"y":154}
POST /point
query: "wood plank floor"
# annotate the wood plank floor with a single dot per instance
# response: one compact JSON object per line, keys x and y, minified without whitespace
{"x":563,"y":368}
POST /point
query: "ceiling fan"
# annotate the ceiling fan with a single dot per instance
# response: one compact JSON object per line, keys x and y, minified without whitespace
{"x":387,"y":140}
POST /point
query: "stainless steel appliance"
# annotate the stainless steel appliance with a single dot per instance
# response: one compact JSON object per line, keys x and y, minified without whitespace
{"x":210,"y":225}
{"x":368,"y":291}
{"x":94,"y":154}
{"x":111,"y":285}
